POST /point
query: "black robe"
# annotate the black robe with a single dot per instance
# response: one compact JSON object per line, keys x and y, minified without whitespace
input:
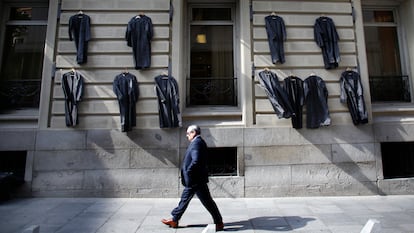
{"x":125,"y":86}
{"x":276,"y":35}
{"x":276,"y":94}
{"x":166,"y":88}
{"x":294,"y":89}
{"x":138,"y":35}
{"x":353,"y":94}
{"x":316,"y":101}
{"x":326,"y":37}
{"x":72,"y":85}
{"x":80,"y":30}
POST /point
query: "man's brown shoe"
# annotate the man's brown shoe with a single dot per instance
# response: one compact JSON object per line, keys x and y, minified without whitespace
{"x":170,"y":223}
{"x":219,"y":226}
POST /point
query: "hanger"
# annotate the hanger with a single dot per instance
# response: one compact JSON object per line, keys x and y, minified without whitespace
{"x":266,"y":69}
{"x":164,"y":75}
{"x":140,"y":14}
{"x":73,"y":72}
{"x":273,"y":13}
{"x":348,"y":69}
{"x":125,"y":71}
{"x":80,"y":14}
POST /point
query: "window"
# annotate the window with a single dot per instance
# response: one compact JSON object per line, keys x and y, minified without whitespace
{"x":386,"y":76}
{"x":397,"y":159}
{"x":12,"y":172}
{"x":211,"y":78}
{"x":222,"y":161}
{"x":22,"y":53}
{"x":13,"y":162}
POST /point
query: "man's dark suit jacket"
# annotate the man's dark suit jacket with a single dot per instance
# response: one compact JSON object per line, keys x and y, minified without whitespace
{"x":194,"y":169}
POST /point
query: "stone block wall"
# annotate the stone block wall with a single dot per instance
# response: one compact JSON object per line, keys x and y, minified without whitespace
{"x":145,"y":163}
{"x":327,"y":161}
{"x":106,"y":163}
{"x":272,"y":162}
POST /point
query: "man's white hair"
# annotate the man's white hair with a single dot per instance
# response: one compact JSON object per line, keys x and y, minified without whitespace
{"x":194,"y":128}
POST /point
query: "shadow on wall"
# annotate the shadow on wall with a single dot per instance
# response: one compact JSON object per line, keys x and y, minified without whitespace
{"x":139,"y":163}
{"x":352,"y":150}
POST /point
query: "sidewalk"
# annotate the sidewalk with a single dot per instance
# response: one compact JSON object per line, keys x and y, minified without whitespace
{"x":247,"y":215}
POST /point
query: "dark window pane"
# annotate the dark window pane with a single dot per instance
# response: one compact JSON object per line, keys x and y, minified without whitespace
{"x":23,"y":52}
{"x":222,"y":161}
{"x":15,"y":95}
{"x":201,"y":14}
{"x":28,"y":13}
{"x":370,"y":16}
{"x":397,"y":159}
{"x":383,"y":51}
{"x":212,"y":47}
{"x":21,"y":70}
{"x":384,"y":65}
{"x":390,"y":88}
{"x":212,"y":66}
{"x":13,"y":162}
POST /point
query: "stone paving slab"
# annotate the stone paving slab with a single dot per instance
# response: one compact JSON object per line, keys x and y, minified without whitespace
{"x":245,"y":215}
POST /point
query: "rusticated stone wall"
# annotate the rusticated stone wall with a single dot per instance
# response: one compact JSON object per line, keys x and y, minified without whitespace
{"x":338,"y":160}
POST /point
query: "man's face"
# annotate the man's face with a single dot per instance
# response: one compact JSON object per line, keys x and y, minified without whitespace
{"x":190,"y":135}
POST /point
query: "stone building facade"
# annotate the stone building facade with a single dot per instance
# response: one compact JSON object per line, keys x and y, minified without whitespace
{"x":272,"y":159}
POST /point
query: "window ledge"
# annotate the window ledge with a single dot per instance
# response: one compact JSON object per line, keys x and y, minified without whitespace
{"x":20,"y":115}
{"x":379,"y":108}
{"x":211,"y":111}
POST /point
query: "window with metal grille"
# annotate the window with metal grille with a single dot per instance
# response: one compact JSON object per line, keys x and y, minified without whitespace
{"x":222,"y":161}
{"x":22,"y":55}
{"x":388,"y":81}
{"x":12,"y":171}
{"x":211,"y":79}
{"x":397,"y":159}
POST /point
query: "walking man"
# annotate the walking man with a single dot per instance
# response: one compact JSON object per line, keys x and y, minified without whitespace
{"x":194,"y":177}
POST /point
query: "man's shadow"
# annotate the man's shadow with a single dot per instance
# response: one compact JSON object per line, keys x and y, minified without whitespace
{"x":266,"y":223}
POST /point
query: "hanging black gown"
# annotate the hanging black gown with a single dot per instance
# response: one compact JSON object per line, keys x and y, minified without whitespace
{"x":138,"y":35}
{"x":276,"y":35}
{"x":316,"y":101}
{"x":80,"y":30}
{"x":294,"y":89}
{"x":326,"y":37}
{"x":352,"y":93}
{"x":276,"y":94}
{"x":166,"y":88}
{"x":125,"y":86}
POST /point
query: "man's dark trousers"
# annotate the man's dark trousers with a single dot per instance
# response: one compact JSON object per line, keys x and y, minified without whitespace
{"x":203,"y":194}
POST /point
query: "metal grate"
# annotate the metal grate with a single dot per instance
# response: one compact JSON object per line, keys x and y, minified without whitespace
{"x":15,"y":94}
{"x":212,"y":91}
{"x":390,"y":88}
